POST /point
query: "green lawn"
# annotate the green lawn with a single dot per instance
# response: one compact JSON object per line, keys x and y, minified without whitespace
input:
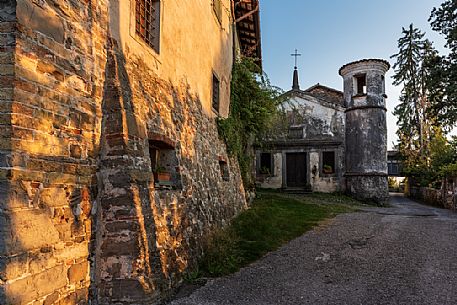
{"x":273,"y":219}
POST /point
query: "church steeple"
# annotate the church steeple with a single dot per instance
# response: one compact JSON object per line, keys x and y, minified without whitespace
{"x":295,"y":83}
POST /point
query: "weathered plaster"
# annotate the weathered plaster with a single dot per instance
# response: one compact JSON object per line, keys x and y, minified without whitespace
{"x":274,"y":180}
{"x":80,"y":97}
{"x":366,"y":131}
{"x":186,"y":43}
{"x":323,"y":124}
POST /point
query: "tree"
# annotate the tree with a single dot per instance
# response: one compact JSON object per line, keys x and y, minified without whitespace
{"x":444,"y":20}
{"x":412,"y":71}
{"x":252,"y":108}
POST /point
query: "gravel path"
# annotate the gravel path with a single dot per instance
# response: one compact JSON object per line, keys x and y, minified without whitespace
{"x":406,"y":254}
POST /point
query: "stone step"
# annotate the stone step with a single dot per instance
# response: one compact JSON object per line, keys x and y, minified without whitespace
{"x":298,"y":190}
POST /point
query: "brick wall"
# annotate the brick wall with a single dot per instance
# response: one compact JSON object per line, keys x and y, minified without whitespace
{"x":82,"y":217}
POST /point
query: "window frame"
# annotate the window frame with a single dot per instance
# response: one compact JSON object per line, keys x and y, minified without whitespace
{"x":321,"y":163}
{"x":154,"y":26}
{"x":216,"y":78}
{"x":224,"y":169}
{"x":296,"y":133}
{"x":357,"y":83}
{"x":158,"y":147}
{"x":271,"y":162}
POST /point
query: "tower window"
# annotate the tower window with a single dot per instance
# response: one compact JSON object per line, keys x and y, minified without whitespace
{"x":361,"y":84}
{"x":328,"y":162}
{"x":147,"y":22}
{"x":216,"y":90}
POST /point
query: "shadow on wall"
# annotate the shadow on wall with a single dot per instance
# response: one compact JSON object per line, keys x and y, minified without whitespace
{"x":147,"y":237}
{"x":45,"y":195}
{"x":141,"y":239}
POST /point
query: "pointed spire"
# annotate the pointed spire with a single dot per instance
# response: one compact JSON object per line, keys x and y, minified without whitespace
{"x":295,"y":84}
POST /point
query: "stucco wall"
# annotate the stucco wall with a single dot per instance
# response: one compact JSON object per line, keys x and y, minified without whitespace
{"x":193,"y":45}
{"x":323,"y":126}
{"x":273,"y":180}
{"x":327,"y":183}
{"x":320,"y":120}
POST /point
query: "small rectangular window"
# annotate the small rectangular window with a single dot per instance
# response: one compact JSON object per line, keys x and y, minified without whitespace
{"x":164,"y":165}
{"x":361,"y":84}
{"x":266,"y":164}
{"x":147,"y":22}
{"x":225,"y":173}
{"x":217,"y":8}
{"x":216,"y":91}
{"x":392,"y":168}
{"x":295,"y":133}
{"x":328,"y":162}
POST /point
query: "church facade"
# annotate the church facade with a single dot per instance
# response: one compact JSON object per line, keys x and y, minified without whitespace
{"x":326,"y":140}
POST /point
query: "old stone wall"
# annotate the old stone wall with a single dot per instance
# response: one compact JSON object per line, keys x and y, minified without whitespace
{"x":446,"y":197}
{"x":82,"y":218}
{"x":55,"y":121}
{"x":163,"y":227}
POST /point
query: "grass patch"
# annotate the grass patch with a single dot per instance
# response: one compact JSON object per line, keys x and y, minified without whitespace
{"x":273,"y":220}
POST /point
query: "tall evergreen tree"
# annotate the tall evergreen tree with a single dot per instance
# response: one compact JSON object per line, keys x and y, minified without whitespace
{"x":412,"y":71}
{"x":444,"y":73}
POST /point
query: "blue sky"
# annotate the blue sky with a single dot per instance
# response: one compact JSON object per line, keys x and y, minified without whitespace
{"x":331,"y":33}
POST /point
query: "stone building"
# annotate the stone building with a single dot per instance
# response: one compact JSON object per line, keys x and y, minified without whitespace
{"x":326,"y":140}
{"x":111,"y":169}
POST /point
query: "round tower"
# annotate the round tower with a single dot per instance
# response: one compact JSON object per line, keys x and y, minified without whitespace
{"x":366,"y":129}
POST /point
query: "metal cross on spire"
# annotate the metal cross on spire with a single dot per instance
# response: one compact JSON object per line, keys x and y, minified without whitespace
{"x":296,"y":54}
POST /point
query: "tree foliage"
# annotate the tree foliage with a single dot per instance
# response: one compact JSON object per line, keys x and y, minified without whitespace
{"x":444,"y":20}
{"x":253,"y":105}
{"x":442,"y":159}
{"x":427,"y":105}
{"x":412,"y":71}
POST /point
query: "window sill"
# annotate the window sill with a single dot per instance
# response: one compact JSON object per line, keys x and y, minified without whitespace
{"x":327,"y":175}
{"x":360,"y":95}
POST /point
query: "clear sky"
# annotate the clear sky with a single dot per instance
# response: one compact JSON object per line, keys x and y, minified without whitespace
{"x":331,"y":33}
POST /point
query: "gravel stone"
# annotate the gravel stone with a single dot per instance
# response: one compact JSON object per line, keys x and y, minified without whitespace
{"x":404,"y":254}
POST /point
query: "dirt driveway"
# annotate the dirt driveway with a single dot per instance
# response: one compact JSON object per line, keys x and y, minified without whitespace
{"x":406,"y":254}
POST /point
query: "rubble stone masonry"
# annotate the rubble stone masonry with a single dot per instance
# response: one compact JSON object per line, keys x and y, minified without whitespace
{"x":82,"y":219}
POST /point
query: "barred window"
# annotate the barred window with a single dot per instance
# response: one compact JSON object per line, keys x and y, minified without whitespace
{"x":147,"y":25}
{"x":216,"y":90}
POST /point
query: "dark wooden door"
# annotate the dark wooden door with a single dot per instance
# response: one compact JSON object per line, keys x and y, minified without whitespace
{"x":296,"y":169}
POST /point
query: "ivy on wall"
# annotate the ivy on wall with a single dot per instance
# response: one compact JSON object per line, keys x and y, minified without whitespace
{"x":253,"y":106}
